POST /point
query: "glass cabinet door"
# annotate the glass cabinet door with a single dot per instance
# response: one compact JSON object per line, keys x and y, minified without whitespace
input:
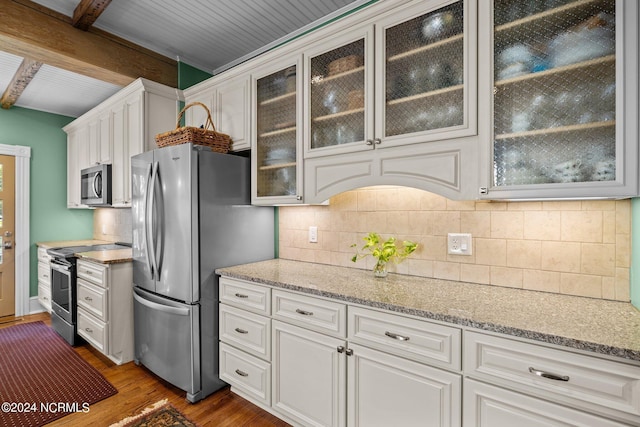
{"x":337,"y":97}
{"x":276,"y":153}
{"x":554,"y":92}
{"x":424,"y":72}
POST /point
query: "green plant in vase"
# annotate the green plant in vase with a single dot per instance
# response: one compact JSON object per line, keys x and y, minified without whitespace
{"x":384,"y":251}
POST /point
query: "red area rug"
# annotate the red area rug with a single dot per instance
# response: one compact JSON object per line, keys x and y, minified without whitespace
{"x":42,"y":378}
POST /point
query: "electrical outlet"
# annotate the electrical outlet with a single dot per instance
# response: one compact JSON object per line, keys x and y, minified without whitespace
{"x":459,"y":244}
{"x":313,"y":234}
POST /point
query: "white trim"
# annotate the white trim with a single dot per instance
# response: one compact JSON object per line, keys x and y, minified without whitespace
{"x":21,"y":240}
{"x":35,"y":306}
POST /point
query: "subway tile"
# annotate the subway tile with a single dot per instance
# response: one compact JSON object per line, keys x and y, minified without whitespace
{"x":524,"y":254}
{"x":507,"y":225}
{"x":561,"y":256}
{"x":598,"y":259}
{"x":608,"y":227}
{"x":581,"y":285}
{"x":623,"y":216}
{"x":446,"y":270}
{"x":491,"y":252}
{"x":446,"y":222}
{"x":476,"y":223}
{"x":569,"y":205}
{"x":581,"y":226}
{"x":420,"y":267}
{"x":456,"y":205}
{"x":432,"y":202}
{"x":475,"y":273}
{"x":505,"y":276}
{"x":599,"y":205}
{"x":524,"y":206}
{"x":539,"y":280}
{"x":623,"y":285}
{"x":542,"y":225}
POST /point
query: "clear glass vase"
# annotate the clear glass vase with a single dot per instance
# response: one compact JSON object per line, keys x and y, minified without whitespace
{"x":380,"y":269}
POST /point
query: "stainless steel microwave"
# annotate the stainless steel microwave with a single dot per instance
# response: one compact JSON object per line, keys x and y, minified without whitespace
{"x":95,"y":186}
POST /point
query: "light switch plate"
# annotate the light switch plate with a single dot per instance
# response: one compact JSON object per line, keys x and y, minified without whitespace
{"x":459,"y":244}
{"x":313,"y":234}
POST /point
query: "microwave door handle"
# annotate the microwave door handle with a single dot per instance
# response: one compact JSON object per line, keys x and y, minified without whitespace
{"x":150,"y":221}
{"x":95,"y":185}
{"x":145,"y":229}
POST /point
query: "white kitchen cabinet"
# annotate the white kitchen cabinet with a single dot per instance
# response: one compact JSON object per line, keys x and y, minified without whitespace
{"x":606,"y":388}
{"x":228,"y":100}
{"x":490,"y":406}
{"x":105,"y":308}
{"x":309,"y":376}
{"x":120,"y":127}
{"x":562,"y":80}
{"x":386,"y":390}
{"x":402,"y":110}
{"x":44,"y":279}
{"x":276,"y":156}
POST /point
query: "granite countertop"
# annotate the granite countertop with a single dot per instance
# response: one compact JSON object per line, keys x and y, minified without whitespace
{"x":110,"y":256}
{"x":600,"y":326}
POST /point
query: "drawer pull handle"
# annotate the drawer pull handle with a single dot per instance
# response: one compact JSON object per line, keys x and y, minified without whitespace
{"x":89,"y":273}
{"x":304,"y":312}
{"x":89,"y":330}
{"x":396,"y":336}
{"x":241,"y":331}
{"x":548,"y":375}
{"x":46,"y":276}
{"x":242,"y":296}
{"x":241,"y":373}
{"x":88,"y":299}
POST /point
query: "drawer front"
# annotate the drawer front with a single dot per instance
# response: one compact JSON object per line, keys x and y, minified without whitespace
{"x":605,"y":386}
{"x":247,"y":295}
{"x":93,"y":299}
{"x":247,"y":373}
{"x":94,"y":273}
{"x":247,"y":331}
{"x":43,"y":256}
{"x":94,"y":331}
{"x":44,"y":273}
{"x":412,"y":338}
{"x":320,"y":315}
{"x":44,"y":296}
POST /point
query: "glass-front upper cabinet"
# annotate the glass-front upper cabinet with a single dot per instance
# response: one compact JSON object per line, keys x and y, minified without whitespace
{"x":561,"y":93}
{"x":416,"y":83}
{"x":276,"y":157}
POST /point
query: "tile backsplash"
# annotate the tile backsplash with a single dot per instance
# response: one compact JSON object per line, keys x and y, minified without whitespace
{"x":568,"y":247}
{"x":113,"y":225}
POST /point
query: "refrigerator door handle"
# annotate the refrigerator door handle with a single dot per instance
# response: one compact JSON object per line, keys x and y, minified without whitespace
{"x":161,"y":307}
{"x":145,"y":229}
{"x":150,"y":224}
{"x":159,"y":230}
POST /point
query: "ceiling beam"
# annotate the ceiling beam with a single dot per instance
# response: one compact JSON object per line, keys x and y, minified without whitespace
{"x":31,"y":31}
{"x":20,"y":80}
{"x":87,"y":11}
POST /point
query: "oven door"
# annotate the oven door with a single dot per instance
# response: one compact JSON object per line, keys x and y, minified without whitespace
{"x":62,"y":290}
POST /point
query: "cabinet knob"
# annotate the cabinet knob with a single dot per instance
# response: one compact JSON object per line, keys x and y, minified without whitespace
{"x":377,"y":141}
{"x":349,"y":352}
{"x":298,"y":197}
{"x":369,"y":141}
{"x":340,"y":349}
{"x":88,"y":299}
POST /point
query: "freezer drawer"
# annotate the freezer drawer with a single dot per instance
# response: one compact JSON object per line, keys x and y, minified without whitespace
{"x":167,"y":339}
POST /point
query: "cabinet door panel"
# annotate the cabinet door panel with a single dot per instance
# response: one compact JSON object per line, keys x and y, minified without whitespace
{"x":308,"y":376}
{"x":385,"y":390}
{"x":232,"y":112}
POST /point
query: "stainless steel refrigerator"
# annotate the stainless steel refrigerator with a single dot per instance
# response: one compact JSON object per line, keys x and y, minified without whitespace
{"x":191,"y":214}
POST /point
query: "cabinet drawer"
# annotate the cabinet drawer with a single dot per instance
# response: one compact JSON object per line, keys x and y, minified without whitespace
{"x":44,"y":273}
{"x":584,"y":381}
{"x":43,"y":256}
{"x":412,"y":338}
{"x":93,"y":299}
{"x":245,"y":295}
{"x":94,"y":273}
{"x":94,"y":331}
{"x":44,"y":296}
{"x":320,"y":315}
{"x":247,"y":373}
{"x":247,"y":331}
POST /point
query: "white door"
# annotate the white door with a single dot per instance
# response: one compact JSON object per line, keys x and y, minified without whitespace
{"x":7,"y":229}
{"x":385,"y":390}
{"x":309,"y":372}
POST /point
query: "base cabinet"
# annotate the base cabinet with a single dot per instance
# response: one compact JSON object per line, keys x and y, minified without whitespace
{"x":44,"y":279}
{"x":385,"y":390}
{"x":105,"y":308}
{"x":309,"y":376}
{"x":489,"y":406}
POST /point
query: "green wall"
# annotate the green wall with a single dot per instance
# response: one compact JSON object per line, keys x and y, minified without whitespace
{"x":635,"y":253}
{"x":189,"y":75}
{"x":49,"y":217}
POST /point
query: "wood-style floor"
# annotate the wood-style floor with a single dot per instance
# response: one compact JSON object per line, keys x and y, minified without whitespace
{"x":138,"y":388}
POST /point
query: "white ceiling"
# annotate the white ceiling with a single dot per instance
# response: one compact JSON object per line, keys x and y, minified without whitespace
{"x":209,"y":34}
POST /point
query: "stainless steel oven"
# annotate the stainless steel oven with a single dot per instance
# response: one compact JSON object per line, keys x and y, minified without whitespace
{"x":63,"y":298}
{"x":95,"y":186}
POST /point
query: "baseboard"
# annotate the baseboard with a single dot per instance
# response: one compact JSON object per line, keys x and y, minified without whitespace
{"x":35,"y":306}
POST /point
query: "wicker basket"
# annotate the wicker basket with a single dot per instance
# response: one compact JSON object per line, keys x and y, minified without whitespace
{"x":218,"y":142}
{"x":344,"y":64}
